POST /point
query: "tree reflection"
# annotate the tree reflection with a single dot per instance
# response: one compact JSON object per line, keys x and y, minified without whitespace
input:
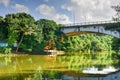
{"x":79,"y":61}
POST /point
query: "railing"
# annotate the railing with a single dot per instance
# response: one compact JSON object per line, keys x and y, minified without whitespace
{"x":89,"y":23}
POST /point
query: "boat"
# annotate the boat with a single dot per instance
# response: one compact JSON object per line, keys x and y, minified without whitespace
{"x":94,"y":70}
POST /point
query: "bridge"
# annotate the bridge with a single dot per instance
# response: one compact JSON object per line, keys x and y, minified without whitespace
{"x":103,"y":27}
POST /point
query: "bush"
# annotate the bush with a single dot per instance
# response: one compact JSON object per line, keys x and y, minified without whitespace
{"x":5,"y":50}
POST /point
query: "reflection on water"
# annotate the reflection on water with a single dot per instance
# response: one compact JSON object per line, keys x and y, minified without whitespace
{"x":73,"y":66}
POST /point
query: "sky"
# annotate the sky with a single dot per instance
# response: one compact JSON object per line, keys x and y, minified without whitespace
{"x":62,"y":11}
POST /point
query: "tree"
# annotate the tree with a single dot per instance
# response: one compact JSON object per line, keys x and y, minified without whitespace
{"x":117,"y":16}
{"x":115,"y":44}
{"x":19,"y":25}
{"x":3,"y":29}
{"x":48,"y":29}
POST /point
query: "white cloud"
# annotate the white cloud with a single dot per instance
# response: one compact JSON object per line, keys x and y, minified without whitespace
{"x":91,"y":10}
{"x":46,"y":10}
{"x":21,"y":8}
{"x":50,"y":12}
{"x":5,"y":2}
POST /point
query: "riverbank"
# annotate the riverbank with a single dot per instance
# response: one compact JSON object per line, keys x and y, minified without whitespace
{"x":13,"y":54}
{"x":46,"y":52}
{"x":51,"y":53}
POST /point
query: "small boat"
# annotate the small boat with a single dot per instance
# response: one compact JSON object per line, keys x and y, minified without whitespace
{"x":94,"y":70}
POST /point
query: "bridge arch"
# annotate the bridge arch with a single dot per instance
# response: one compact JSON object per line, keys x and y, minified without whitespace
{"x":76,"y":29}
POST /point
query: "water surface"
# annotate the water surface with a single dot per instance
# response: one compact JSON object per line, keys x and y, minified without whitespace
{"x":71,"y":66}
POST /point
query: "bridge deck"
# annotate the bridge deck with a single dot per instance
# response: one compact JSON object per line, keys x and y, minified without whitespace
{"x":90,"y":23}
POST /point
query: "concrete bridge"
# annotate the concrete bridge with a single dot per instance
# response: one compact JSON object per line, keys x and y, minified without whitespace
{"x":104,"y":27}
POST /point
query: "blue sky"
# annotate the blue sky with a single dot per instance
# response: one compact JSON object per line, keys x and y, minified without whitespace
{"x":62,"y":11}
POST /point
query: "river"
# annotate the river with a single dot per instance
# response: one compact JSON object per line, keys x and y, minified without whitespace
{"x":71,"y":66}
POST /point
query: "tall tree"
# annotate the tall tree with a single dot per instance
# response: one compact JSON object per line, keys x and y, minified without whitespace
{"x":48,"y":28}
{"x":19,"y":25}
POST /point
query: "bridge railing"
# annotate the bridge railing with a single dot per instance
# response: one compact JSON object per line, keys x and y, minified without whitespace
{"x":90,"y":23}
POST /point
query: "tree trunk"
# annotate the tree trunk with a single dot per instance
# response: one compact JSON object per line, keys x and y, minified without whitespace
{"x":19,"y":43}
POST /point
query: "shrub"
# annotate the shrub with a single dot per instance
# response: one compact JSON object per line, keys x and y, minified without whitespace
{"x":5,"y":50}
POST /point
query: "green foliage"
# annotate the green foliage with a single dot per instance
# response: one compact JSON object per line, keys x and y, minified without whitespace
{"x":48,"y":28}
{"x":3,"y":29}
{"x":87,"y":42}
{"x":116,"y":44}
{"x":28,"y":34}
{"x":46,"y":31}
{"x":5,"y":50}
{"x":19,"y":25}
